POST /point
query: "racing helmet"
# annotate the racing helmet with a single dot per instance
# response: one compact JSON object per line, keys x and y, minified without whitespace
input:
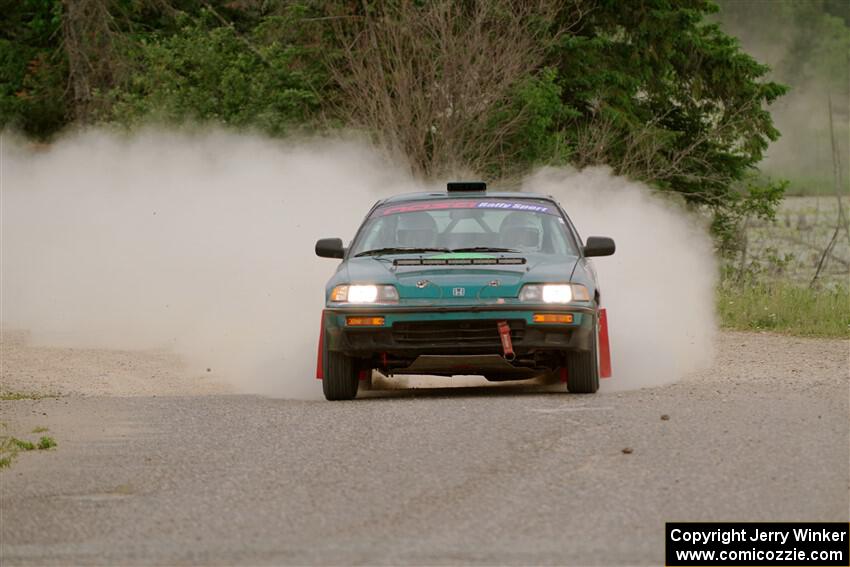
{"x":520,"y":230}
{"x":416,"y":230}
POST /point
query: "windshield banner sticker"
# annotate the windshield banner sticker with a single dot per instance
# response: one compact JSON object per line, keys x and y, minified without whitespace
{"x":512,"y":206}
{"x":517,"y":205}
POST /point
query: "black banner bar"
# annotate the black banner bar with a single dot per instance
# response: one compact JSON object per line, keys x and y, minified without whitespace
{"x":804,"y":544}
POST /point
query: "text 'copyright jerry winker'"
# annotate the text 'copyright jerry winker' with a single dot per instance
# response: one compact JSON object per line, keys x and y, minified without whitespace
{"x":812,"y":544}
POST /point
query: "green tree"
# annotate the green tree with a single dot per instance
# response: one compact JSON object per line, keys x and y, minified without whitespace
{"x":209,"y":71}
{"x":32,"y":72}
{"x":248,"y":64}
{"x":664,"y":96}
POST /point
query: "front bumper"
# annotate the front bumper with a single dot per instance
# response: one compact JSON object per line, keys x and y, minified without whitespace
{"x":409,"y":332}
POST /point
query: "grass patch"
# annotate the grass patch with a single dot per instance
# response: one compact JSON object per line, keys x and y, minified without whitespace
{"x":786,"y":308}
{"x":39,"y":430}
{"x":22,"y":445}
{"x":11,"y":446}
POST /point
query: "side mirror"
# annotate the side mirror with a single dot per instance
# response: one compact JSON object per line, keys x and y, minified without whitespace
{"x":599,"y":246}
{"x":330,"y":248}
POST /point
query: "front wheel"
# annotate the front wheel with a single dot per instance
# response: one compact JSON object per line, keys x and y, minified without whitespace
{"x":341,"y":377}
{"x":583,"y":369}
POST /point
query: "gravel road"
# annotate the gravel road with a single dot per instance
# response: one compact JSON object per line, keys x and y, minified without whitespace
{"x":486,"y":476}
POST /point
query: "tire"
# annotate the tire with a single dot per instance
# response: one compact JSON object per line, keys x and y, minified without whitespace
{"x":341,"y":378}
{"x":583,"y":369}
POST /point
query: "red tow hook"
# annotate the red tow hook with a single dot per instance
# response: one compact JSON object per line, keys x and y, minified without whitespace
{"x":507,"y":345}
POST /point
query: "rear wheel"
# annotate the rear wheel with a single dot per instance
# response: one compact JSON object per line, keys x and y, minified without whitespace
{"x":341,"y":377}
{"x":583,"y":369}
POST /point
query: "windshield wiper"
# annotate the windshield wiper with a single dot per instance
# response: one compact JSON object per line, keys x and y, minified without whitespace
{"x":399,"y":250}
{"x":483,"y":249}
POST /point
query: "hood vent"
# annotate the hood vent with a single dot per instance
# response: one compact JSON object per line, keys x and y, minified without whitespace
{"x":458,"y":261}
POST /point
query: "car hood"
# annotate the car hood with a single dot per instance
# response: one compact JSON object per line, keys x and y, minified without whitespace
{"x":456,"y":282}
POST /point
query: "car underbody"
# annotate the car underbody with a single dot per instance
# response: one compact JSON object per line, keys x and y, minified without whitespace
{"x":447,"y":343}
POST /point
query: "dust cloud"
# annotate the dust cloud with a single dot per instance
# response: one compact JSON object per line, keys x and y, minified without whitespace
{"x":202,"y":243}
{"x":658,"y":288}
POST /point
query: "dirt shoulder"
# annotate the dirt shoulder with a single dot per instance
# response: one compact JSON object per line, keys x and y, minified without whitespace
{"x":748,"y":357}
{"x":48,"y":371}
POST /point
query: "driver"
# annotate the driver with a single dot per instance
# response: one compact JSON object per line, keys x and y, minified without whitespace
{"x":521,"y":231}
{"x":416,"y":230}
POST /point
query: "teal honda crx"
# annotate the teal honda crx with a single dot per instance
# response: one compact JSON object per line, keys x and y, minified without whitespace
{"x":464,"y":282}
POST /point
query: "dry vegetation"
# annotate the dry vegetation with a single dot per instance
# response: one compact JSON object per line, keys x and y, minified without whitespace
{"x":775,"y":287}
{"x":436,"y":84}
{"x":791,"y":248}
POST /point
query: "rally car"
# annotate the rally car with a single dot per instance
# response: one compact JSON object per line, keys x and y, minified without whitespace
{"x":464,"y":282}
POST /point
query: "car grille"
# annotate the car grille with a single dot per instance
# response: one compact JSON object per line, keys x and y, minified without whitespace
{"x":477,"y":333}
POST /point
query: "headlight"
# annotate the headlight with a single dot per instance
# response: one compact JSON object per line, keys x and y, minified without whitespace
{"x":364,"y":294}
{"x":554,"y":293}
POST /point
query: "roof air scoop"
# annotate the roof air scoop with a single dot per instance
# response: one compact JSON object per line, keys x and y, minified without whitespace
{"x":466,"y":187}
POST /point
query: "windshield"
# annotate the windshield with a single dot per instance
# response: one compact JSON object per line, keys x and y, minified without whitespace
{"x":485,"y":225}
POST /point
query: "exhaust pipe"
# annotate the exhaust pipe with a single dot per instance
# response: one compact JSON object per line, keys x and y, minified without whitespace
{"x":507,"y":345}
